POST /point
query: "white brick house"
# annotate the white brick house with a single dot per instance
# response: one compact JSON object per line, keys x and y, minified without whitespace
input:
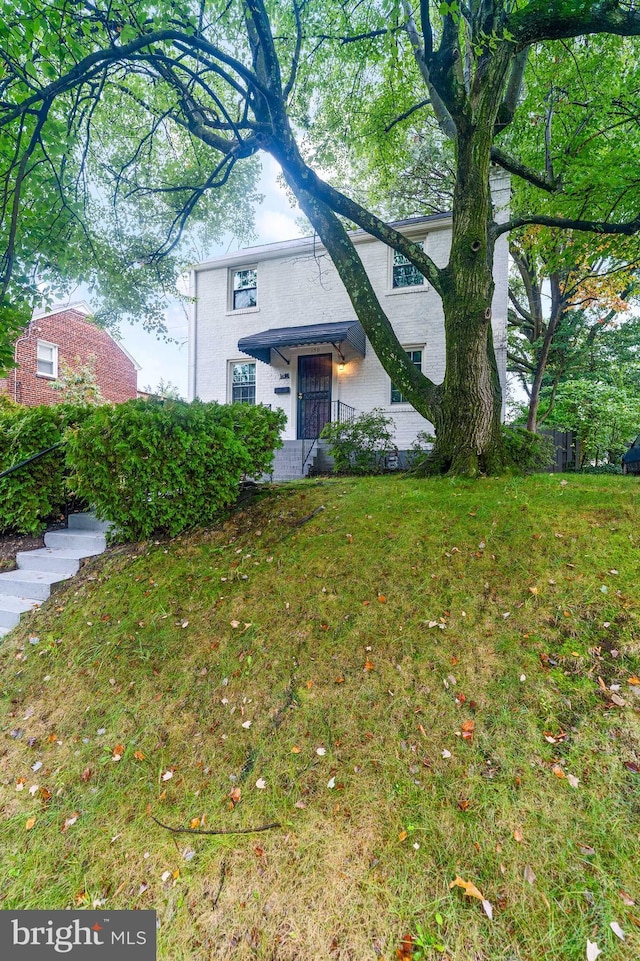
{"x":274,"y":325}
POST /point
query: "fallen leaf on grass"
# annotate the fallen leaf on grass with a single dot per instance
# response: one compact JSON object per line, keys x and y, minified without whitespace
{"x":529,"y":874}
{"x":382,"y":598}
{"x":517,"y":835}
{"x":139,"y":756}
{"x":573,"y":780}
{"x":117,"y":753}
{"x":617,"y":930}
{"x":632,"y":766}
{"x":403,"y":836}
{"x":261,"y":784}
{"x":627,"y":899}
{"x":368,"y":665}
{"x":235,"y":795}
{"x":585,"y":849}
{"x":194,"y":823}
{"x":295,"y":749}
{"x":592,"y":950}
{"x":405,"y":951}
{"x":468,"y":728}
{"x":468,"y":886}
{"x":557,"y":770}
{"x":167,"y":775}
{"x":446,"y":754}
{"x":617,"y":700}
{"x":488,"y":909}
{"x":30,"y":823}
{"x":69,"y":822}
{"x":634,"y":681}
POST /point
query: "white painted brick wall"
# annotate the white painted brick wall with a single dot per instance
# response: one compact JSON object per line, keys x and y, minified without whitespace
{"x":298,"y":285}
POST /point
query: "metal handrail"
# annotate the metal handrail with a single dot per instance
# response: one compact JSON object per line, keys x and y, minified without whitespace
{"x":29,"y":460}
{"x":344,"y":414}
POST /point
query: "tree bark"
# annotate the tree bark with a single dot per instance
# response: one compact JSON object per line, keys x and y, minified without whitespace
{"x":468,"y":424}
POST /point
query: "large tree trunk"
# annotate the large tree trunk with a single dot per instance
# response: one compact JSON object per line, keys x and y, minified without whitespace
{"x":468,"y":435}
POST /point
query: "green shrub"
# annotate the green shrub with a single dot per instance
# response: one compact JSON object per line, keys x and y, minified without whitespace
{"x":163,"y":466}
{"x":527,"y":452}
{"x":37,"y":492}
{"x":359,"y":446}
{"x":602,"y":469}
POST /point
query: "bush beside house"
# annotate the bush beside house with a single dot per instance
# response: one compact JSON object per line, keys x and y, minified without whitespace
{"x":147,"y":466}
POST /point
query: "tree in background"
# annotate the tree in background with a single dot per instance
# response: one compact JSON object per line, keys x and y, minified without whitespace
{"x":155,"y":107}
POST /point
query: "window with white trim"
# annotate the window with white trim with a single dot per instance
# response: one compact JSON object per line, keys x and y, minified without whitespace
{"x":244,"y":288}
{"x":47,"y":360}
{"x":404,"y":274}
{"x":243,"y":383}
{"x":415,"y":357}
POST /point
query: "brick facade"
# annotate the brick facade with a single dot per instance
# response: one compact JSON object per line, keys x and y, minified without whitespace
{"x":79,"y":343}
{"x":297,"y":284}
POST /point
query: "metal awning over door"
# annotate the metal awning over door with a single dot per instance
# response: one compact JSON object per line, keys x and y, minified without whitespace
{"x":347,"y":337}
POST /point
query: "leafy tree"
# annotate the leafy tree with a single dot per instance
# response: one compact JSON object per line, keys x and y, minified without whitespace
{"x":604,"y":417}
{"x":171,"y":98}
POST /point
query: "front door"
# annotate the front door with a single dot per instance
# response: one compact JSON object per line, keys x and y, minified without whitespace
{"x":314,"y":394}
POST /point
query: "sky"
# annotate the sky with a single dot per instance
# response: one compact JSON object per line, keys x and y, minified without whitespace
{"x":275,"y":220}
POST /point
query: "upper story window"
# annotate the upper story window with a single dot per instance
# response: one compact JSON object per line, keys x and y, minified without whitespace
{"x":404,"y":272}
{"x":243,"y":383}
{"x":244,"y":288}
{"x":416,"y":359}
{"x":47,"y":360}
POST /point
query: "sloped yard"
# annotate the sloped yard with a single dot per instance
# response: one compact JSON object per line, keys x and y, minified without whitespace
{"x":405,"y":682}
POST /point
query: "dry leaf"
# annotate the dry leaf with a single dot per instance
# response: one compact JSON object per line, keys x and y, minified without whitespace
{"x":403,"y":836}
{"x":30,"y":823}
{"x":234,"y":624}
{"x":517,"y":835}
{"x":468,"y":887}
{"x":295,"y":749}
{"x":468,"y":728}
{"x":261,"y":784}
{"x":235,"y":795}
{"x":592,"y":950}
{"x":628,"y":900}
{"x":585,"y":849}
{"x":446,"y":754}
{"x":529,"y":874}
{"x":194,"y":823}
{"x":634,"y":681}
{"x":619,"y":701}
{"x":617,"y":930}
{"x":557,"y":770}
{"x":488,"y":909}
{"x":368,"y":665}
{"x":321,"y":751}
{"x":382,"y":598}
{"x":167,"y":775}
{"x":139,"y":756}
{"x":573,"y":780}
{"x":69,"y":822}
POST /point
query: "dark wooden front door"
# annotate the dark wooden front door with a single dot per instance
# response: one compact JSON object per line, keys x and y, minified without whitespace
{"x":314,"y":394}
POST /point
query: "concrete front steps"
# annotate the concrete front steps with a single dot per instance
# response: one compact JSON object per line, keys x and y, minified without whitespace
{"x":287,"y":461}
{"x":27,"y":587}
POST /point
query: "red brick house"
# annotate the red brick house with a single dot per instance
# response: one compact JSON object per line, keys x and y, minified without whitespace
{"x":66,"y":334}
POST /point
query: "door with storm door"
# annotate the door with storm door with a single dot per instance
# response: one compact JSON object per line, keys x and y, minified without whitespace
{"x":314,"y":394}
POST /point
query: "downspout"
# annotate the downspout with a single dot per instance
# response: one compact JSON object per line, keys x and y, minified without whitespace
{"x":192,"y":386}
{"x":25,"y":336}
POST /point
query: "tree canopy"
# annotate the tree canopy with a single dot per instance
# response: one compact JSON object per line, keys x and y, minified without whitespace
{"x":149,"y":114}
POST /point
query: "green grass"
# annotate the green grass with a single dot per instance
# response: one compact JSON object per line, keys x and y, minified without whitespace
{"x":315,"y":614}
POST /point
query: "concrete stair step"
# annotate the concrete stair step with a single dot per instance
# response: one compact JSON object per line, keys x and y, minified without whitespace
{"x":51,"y":559}
{"x":88,"y":522}
{"x":88,"y":542}
{"x":35,"y":584}
{"x":12,"y":607}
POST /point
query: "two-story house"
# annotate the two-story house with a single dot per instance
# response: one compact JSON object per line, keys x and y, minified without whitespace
{"x":67,"y":336}
{"x":274,"y":325}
